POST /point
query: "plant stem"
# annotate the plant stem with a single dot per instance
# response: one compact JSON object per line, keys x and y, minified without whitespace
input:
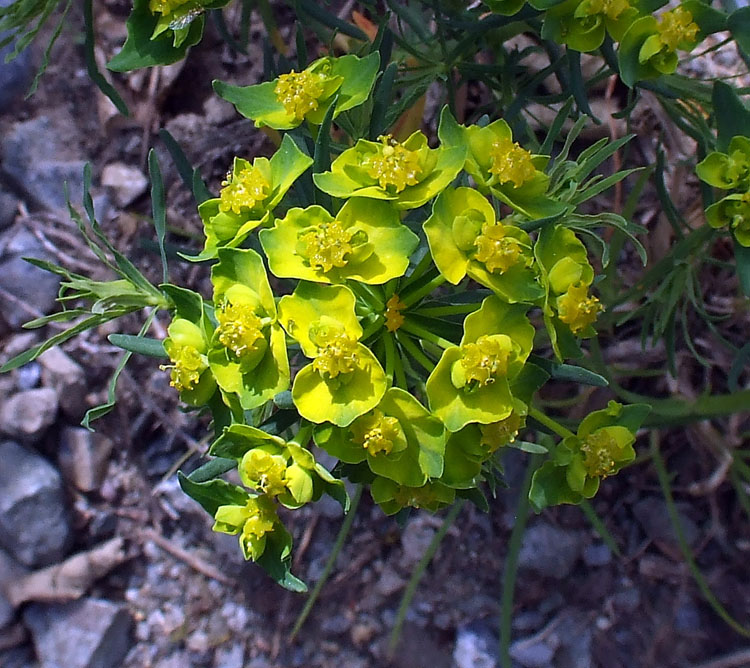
{"x":422,"y":266}
{"x":416,"y":353}
{"x":422,"y":333}
{"x":425,"y":290}
{"x":343,"y":533}
{"x":553,"y":425}
{"x":453,"y":309}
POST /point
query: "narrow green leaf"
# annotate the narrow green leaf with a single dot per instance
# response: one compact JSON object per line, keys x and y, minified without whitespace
{"x":159,"y":207}
{"x":381,"y":101}
{"x":318,"y":13}
{"x":212,"y":494}
{"x":742,"y":258}
{"x":212,"y":469}
{"x":190,"y":177}
{"x":732,"y":116}
{"x":138,"y":344}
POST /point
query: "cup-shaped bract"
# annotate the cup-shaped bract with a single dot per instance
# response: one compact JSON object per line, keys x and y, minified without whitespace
{"x":283,"y":470}
{"x":291,"y":99}
{"x":727,"y":170}
{"x":250,"y":193}
{"x":409,"y":174}
{"x":248,"y":350}
{"x":253,"y":521}
{"x":399,"y":439}
{"x":344,"y":380}
{"x":465,"y":238}
{"x":365,"y":242}
{"x":734,"y":212}
{"x":501,"y":166}
{"x":471,"y":382}
{"x":583,"y":24}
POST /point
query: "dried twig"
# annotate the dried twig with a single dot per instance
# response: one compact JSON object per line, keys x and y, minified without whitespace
{"x":195,"y":562}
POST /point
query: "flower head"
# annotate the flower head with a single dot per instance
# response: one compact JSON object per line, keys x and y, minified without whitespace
{"x":394,"y":165}
{"x":497,"y":250}
{"x":243,"y":190}
{"x":676,"y":28}
{"x":510,"y":163}
{"x":337,"y":353}
{"x":252,"y":521}
{"x":393,"y":316}
{"x":577,"y":309}
{"x":300,"y":92}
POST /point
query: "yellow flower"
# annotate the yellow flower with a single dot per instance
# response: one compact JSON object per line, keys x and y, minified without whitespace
{"x":376,"y":432}
{"x":393,"y":317}
{"x":326,"y":246}
{"x":495,"y":250}
{"x":510,"y":162}
{"x":498,"y":434}
{"x":188,"y":364}
{"x":239,"y":328}
{"x":599,"y":450}
{"x":486,"y":359}
{"x":394,"y":165}
{"x":576,"y":309}
{"x":337,"y":352}
{"x":264,"y":470}
{"x":243,"y":190}
{"x":299,"y":92}
{"x":612,"y":9}
{"x":676,"y":27}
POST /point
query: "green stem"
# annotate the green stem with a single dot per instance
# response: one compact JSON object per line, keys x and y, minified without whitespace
{"x":422,"y":266}
{"x":303,"y":435}
{"x":372,"y":328}
{"x":511,"y":563}
{"x":418,"y":573}
{"x":425,"y":334}
{"x":687,"y":553}
{"x":416,"y":353}
{"x":398,"y":364}
{"x":553,"y":425}
{"x":367,"y":295}
{"x":390,"y":355}
{"x":343,"y":533}
{"x":425,"y":290}
{"x":454,"y":309}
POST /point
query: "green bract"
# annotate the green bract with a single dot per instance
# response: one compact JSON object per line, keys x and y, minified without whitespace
{"x":365,"y":242}
{"x":732,"y":211}
{"x":465,"y":238}
{"x":505,"y":7}
{"x":600,"y":448}
{"x":583,"y":24}
{"x":253,"y":521}
{"x":286,"y":102}
{"x":649,"y":47}
{"x":730,"y":169}
{"x":249,"y":195}
{"x":345,"y":380}
{"x":409,"y":173}
{"x":248,"y":351}
{"x":471,"y":382}
{"x":399,"y":439}
{"x":500,"y":166}
{"x":392,"y":497}
{"x":285,"y":471}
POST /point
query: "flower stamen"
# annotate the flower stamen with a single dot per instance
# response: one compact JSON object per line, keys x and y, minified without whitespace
{"x":511,"y":163}
{"x":394,"y":165}
{"x":299,"y":92}
{"x":243,"y":190}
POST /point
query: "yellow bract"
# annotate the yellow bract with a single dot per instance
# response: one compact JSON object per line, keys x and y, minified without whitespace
{"x":376,"y":432}
{"x":394,"y":165}
{"x":164,"y":7}
{"x":500,"y":433}
{"x":676,"y":27}
{"x":393,"y":317}
{"x":576,"y":309}
{"x":337,"y":352}
{"x":188,"y":364}
{"x":243,"y":190}
{"x":495,"y":250}
{"x":598,"y":454}
{"x":239,"y":328}
{"x":299,"y":92}
{"x":510,"y":162}
{"x":487,"y":358}
{"x":326,"y":246}
{"x":259,"y":521}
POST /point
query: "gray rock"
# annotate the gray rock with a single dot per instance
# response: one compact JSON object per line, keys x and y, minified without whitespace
{"x":88,"y":633}
{"x":34,"y":516}
{"x":27,"y":415}
{"x":27,"y":150}
{"x":597,"y":555}
{"x":532,"y":653}
{"x":230,"y":657}
{"x":476,"y":646}
{"x":389,"y":582}
{"x":83,"y":457}
{"x":575,"y":633}
{"x":10,"y":570}
{"x":335,"y":624}
{"x":549,"y":551}
{"x":416,"y":538}
{"x":15,"y":76}
{"x":68,"y":378}
{"x":127,"y":183}
{"x":653,"y":516}
{"x":28,"y":376}
{"x":18,"y":657}
{"x":8,"y":201}
{"x":23,"y":282}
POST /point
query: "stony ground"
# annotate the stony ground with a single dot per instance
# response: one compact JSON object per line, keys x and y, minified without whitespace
{"x":106,"y":563}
